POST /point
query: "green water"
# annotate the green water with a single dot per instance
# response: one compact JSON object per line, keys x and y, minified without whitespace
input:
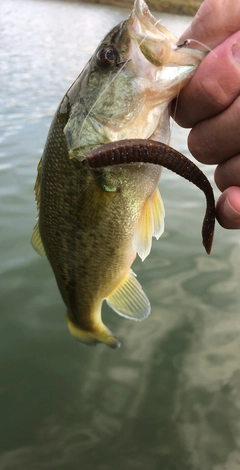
{"x":169,"y":398}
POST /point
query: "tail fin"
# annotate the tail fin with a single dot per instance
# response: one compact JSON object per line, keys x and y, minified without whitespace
{"x":102,"y":335}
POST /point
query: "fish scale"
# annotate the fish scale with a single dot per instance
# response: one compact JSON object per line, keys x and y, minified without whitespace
{"x":93,"y":221}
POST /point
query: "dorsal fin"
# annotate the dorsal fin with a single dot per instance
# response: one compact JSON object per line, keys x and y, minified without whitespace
{"x":37,"y":241}
{"x":151,"y":223}
{"x":129,"y":300}
{"x":36,"y":237}
{"x":37,"y":184}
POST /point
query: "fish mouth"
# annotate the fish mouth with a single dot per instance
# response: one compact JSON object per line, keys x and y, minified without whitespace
{"x":158,"y":44}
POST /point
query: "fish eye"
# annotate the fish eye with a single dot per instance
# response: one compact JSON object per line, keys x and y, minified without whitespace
{"x":108,"y":56}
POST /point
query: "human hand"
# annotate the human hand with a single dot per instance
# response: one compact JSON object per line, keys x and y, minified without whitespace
{"x":210,"y":103}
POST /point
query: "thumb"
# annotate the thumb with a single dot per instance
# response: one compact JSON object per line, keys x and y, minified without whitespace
{"x":228,"y":208}
{"x":214,"y":86}
{"x":214,"y":22}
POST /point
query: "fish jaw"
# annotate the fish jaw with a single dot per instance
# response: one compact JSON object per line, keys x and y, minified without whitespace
{"x":158,"y":67}
{"x":157,"y":43}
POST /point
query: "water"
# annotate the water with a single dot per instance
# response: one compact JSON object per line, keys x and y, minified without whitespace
{"x":169,"y":398}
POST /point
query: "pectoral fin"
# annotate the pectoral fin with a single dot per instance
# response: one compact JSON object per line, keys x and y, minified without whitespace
{"x":100,"y":335}
{"x":129,"y":300}
{"x":151,"y":223}
{"x":158,"y":214}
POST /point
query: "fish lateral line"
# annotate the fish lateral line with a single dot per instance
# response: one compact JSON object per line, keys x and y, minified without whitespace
{"x":149,"y":151}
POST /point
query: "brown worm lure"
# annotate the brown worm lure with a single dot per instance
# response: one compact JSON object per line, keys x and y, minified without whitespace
{"x":157,"y":153}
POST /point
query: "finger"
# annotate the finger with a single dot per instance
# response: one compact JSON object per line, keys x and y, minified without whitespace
{"x":217,"y":139}
{"x":228,"y":208}
{"x":214,"y":86}
{"x":214,"y":22}
{"x":228,"y":173}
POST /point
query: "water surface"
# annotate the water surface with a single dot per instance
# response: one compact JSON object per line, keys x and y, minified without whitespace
{"x":169,"y":398}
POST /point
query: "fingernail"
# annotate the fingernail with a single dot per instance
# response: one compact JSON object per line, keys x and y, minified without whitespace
{"x":236,"y":52}
{"x":229,"y":211}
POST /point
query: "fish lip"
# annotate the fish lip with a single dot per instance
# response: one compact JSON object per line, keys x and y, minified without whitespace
{"x":157,"y":43}
{"x":148,"y":34}
{"x":149,"y":22}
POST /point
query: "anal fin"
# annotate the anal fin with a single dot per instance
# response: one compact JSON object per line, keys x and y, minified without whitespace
{"x":129,"y":300}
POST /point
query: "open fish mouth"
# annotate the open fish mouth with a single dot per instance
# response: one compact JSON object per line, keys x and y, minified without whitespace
{"x":156,"y":42}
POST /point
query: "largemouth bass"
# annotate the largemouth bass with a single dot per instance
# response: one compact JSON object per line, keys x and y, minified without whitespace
{"x":96,"y":213}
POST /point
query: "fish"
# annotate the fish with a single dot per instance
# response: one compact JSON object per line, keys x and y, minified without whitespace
{"x":96,"y":190}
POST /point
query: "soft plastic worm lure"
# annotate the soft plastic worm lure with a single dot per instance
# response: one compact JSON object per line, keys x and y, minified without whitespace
{"x":157,"y":153}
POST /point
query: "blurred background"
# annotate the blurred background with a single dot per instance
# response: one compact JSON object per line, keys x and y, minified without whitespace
{"x":169,"y":398}
{"x":181,"y":7}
